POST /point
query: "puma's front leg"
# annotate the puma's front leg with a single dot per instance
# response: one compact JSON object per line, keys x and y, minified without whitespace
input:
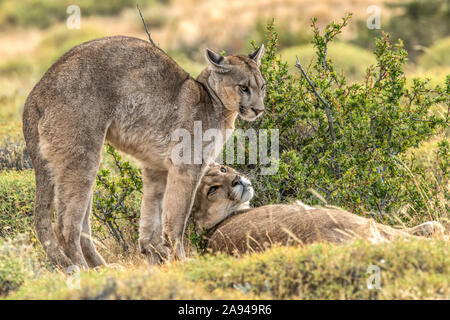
{"x":182,"y":183}
{"x":150,"y":225}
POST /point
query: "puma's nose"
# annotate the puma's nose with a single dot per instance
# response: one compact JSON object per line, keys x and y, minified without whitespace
{"x":236,"y":181}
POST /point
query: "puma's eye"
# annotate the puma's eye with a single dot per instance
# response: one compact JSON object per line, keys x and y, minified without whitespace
{"x":223,"y":169}
{"x":263,"y":87}
{"x":212,"y":190}
{"x":244,"y":89}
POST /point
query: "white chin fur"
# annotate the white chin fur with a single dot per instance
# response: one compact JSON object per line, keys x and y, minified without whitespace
{"x":242,"y":194}
{"x":247,"y":194}
{"x":249,"y":117}
{"x":246,"y":181}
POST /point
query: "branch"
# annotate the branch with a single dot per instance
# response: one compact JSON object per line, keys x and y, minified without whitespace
{"x":327,"y":108}
{"x":145,"y":25}
{"x":324,"y":62}
{"x":298,"y":65}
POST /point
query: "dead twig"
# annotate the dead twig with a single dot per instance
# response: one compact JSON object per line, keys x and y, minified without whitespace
{"x":145,"y":25}
{"x":327,"y":110}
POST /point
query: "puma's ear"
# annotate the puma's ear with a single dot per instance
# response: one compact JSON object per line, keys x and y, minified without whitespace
{"x":217,"y":61}
{"x":257,"y":55}
{"x":213,"y":164}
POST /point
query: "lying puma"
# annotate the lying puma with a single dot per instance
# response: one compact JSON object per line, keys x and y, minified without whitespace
{"x":222,"y":208}
{"x":125,"y":91}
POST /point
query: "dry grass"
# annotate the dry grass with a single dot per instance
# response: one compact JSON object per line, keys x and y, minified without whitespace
{"x":319,"y":271}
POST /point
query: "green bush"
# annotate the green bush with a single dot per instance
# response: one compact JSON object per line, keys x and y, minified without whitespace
{"x":11,"y":276}
{"x":349,"y":142}
{"x":324,"y":271}
{"x":13,"y":154}
{"x":18,"y":262}
{"x":116,"y":203}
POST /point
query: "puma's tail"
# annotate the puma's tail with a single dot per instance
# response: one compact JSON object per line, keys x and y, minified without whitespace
{"x":427,"y":229}
{"x":45,"y":189}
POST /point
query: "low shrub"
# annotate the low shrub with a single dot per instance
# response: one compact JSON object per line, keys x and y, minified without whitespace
{"x":11,"y":276}
{"x":18,"y":262}
{"x":326,"y":271}
{"x":116,"y":203}
{"x":16,"y":202}
{"x":319,"y":271}
{"x":13,"y":154}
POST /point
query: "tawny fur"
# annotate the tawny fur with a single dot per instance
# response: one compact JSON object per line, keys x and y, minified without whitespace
{"x":131,"y":94}
{"x":255,"y":229}
{"x":233,"y":193}
{"x":259,"y":228}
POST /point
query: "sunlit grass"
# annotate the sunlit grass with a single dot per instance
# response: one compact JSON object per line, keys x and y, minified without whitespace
{"x":319,"y":271}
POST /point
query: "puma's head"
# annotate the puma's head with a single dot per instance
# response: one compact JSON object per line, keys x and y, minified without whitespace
{"x":221,"y":192}
{"x":237,"y":81}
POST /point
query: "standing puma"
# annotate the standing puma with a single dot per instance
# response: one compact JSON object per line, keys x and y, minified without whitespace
{"x":131,"y":94}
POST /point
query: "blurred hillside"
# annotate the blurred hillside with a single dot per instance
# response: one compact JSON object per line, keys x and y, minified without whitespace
{"x":34,"y":34}
{"x":222,"y":23}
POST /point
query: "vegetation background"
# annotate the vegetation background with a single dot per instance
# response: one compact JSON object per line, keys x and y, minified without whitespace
{"x":405,"y":185}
